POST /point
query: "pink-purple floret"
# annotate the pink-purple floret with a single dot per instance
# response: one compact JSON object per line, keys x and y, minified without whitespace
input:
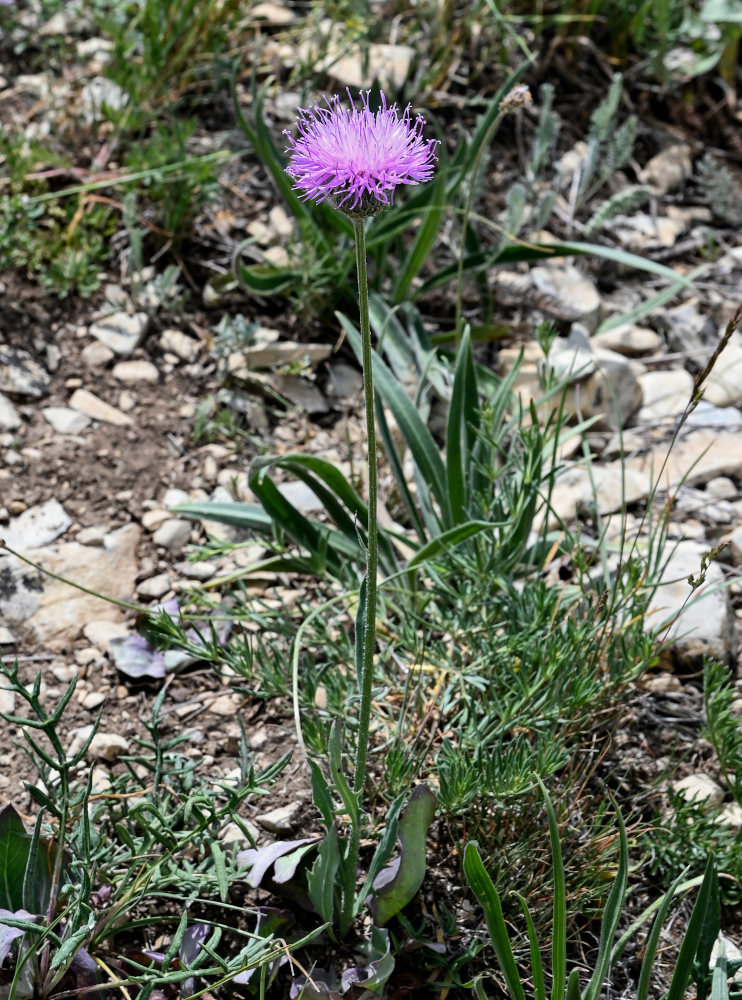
{"x":352,"y":154}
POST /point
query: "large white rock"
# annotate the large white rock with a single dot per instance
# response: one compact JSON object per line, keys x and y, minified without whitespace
{"x":37,"y":526}
{"x":65,"y":420}
{"x":666,"y":394}
{"x":698,"y":623}
{"x":723,"y":387}
{"x":56,"y":611}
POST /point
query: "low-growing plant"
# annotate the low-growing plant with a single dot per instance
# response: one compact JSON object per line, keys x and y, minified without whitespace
{"x":104,"y":866}
{"x":693,"y":961}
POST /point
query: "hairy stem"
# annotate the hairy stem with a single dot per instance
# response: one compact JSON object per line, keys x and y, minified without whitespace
{"x":369,"y":635}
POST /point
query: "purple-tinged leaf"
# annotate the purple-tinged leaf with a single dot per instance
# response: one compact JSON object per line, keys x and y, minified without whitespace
{"x":190,"y":946}
{"x":397,"y":884}
{"x":134,"y":656}
{"x":85,"y":969}
{"x":8,"y":934}
{"x":375,"y":974}
{"x":259,"y":859}
{"x":193,"y":938}
{"x":318,"y":986}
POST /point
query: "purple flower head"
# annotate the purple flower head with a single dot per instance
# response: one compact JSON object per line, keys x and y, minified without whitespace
{"x":357,"y":157}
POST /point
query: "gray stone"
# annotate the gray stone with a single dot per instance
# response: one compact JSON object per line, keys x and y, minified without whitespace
{"x":615,"y":392}
{"x":173,"y":534}
{"x":7,"y":702}
{"x":387,"y":64}
{"x":735,"y":546}
{"x":270,"y":13}
{"x":93,"y":700}
{"x":688,"y":332}
{"x":605,"y":383}
{"x":267,"y":356}
{"x":97,"y":355}
{"x":300,"y":496}
{"x":700,"y":788}
{"x":567,"y":293}
{"x":122,"y":332}
{"x":10,"y":418}
{"x":666,"y":394}
{"x":108,"y":746}
{"x":344,"y":381}
{"x":196,"y":570}
{"x":94,"y":535}
{"x":721,"y":488}
{"x":20,"y":374}
{"x":227,"y":705}
{"x":53,"y":357}
{"x":731,"y":815}
{"x":53,"y":610}
{"x":302,"y":393}
{"x":173,"y":497}
{"x":65,"y":420}
{"x":100,"y":633}
{"x":642,"y":231}
{"x":152,"y":519}
{"x":37,"y":526}
{"x":155,"y":586}
{"x":707,"y":415}
{"x":136,"y":371}
{"x":280,"y":820}
{"x":692,"y":625}
{"x":97,"y":409}
{"x":179,"y":344}
{"x":628,"y":339}
{"x":6,"y":637}
{"x":670,"y":168}
{"x":723,"y":387}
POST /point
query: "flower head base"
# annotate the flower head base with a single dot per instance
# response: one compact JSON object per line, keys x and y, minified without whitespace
{"x":357,"y":157}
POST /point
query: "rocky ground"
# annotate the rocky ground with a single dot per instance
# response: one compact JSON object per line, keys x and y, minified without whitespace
{"x":102,"y":421}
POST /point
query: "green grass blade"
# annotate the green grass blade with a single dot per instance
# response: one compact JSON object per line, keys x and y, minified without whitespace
{"x":318,"y":539}
{"x":449,"y":538}
{"x":460,"y":430}
{"x":611,"y":915}
{"x":537,"y":964}
{"x":559,"y":930}
{"x":249,"y":516}
{"x":693,"y":935}
{"x":650,"y":946}
{"x":485,"y":891}
{"x":573,"y":985}
{"x":719,"y":985}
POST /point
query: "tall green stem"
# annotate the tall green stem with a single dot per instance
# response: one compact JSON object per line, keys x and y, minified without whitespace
{"x":369,"y":636}
{"x":364,"y":715}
